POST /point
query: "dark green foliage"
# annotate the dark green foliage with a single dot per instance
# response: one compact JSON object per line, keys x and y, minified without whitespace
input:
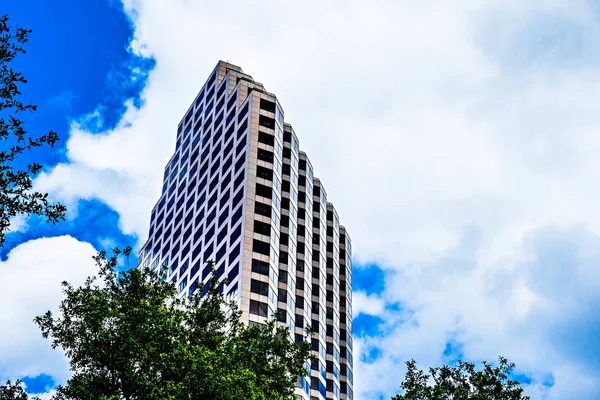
{"x":129,"y":336}
{"x":13,"y":391}
{"x":461,"y":382}
{"x":16,"y":197}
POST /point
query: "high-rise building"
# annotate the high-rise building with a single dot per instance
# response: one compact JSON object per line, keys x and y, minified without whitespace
{"x":239,"y":191}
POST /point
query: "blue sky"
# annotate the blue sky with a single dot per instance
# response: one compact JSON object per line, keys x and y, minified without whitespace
{"x":457,"y":140}
{"x":76,"y":60}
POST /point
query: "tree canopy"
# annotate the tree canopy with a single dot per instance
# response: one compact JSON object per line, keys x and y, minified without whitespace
{"x":16,"y":180}
{"x":129,"y":335}
{"x":14,"y":391}
{"x":461,"y":382}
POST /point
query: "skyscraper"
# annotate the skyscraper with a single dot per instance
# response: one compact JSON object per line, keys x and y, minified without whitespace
{"x":240,"y":192}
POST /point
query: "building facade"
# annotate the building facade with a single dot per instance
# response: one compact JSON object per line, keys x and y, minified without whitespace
{"x":238,"y":191}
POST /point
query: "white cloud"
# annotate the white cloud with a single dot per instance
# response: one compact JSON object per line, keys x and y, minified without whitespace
{"x":449,"y":135}
{"x":368,"y":304}
{"x":47,"y":395}
{"x":539,"y":310}
{"x":30,"y":286}
{"x":18,"y":223}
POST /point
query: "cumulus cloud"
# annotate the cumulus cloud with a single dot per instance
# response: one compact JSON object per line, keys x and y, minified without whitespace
{"x":30,"y":286}
{"x":458,"y":140}
{"x":539,"y":309}
{"x":47,"y":395}
{"x":18,"y":223}
{"x":368,"y":304}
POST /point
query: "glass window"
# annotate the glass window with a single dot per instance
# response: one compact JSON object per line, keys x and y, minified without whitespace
{"x":260,"y":267}
{"x":267,"y":105}
{"x":295,"y":146}
{"x":264,"y":191}
{"x":262,"y":209}
{"x":279,"y":116}
{"x":241,"y":145}
{"x":233,"y":273}
{"x":262,"y":228}
{"x":258,"y":308}
{"x":259,"y":287}
{"x":266,"y":122}
{"x":265,"y":155}
{"x":243,"y":111}
{"x":235,"y":234}
{"x":261,"y":247}
{"x":266,"y":138}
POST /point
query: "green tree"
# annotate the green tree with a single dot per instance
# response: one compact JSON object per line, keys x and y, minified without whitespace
{"x":13,"y":391}
{"x":16,"y":196}
{"x":461,"y":382}
{"x":128,"y":335}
